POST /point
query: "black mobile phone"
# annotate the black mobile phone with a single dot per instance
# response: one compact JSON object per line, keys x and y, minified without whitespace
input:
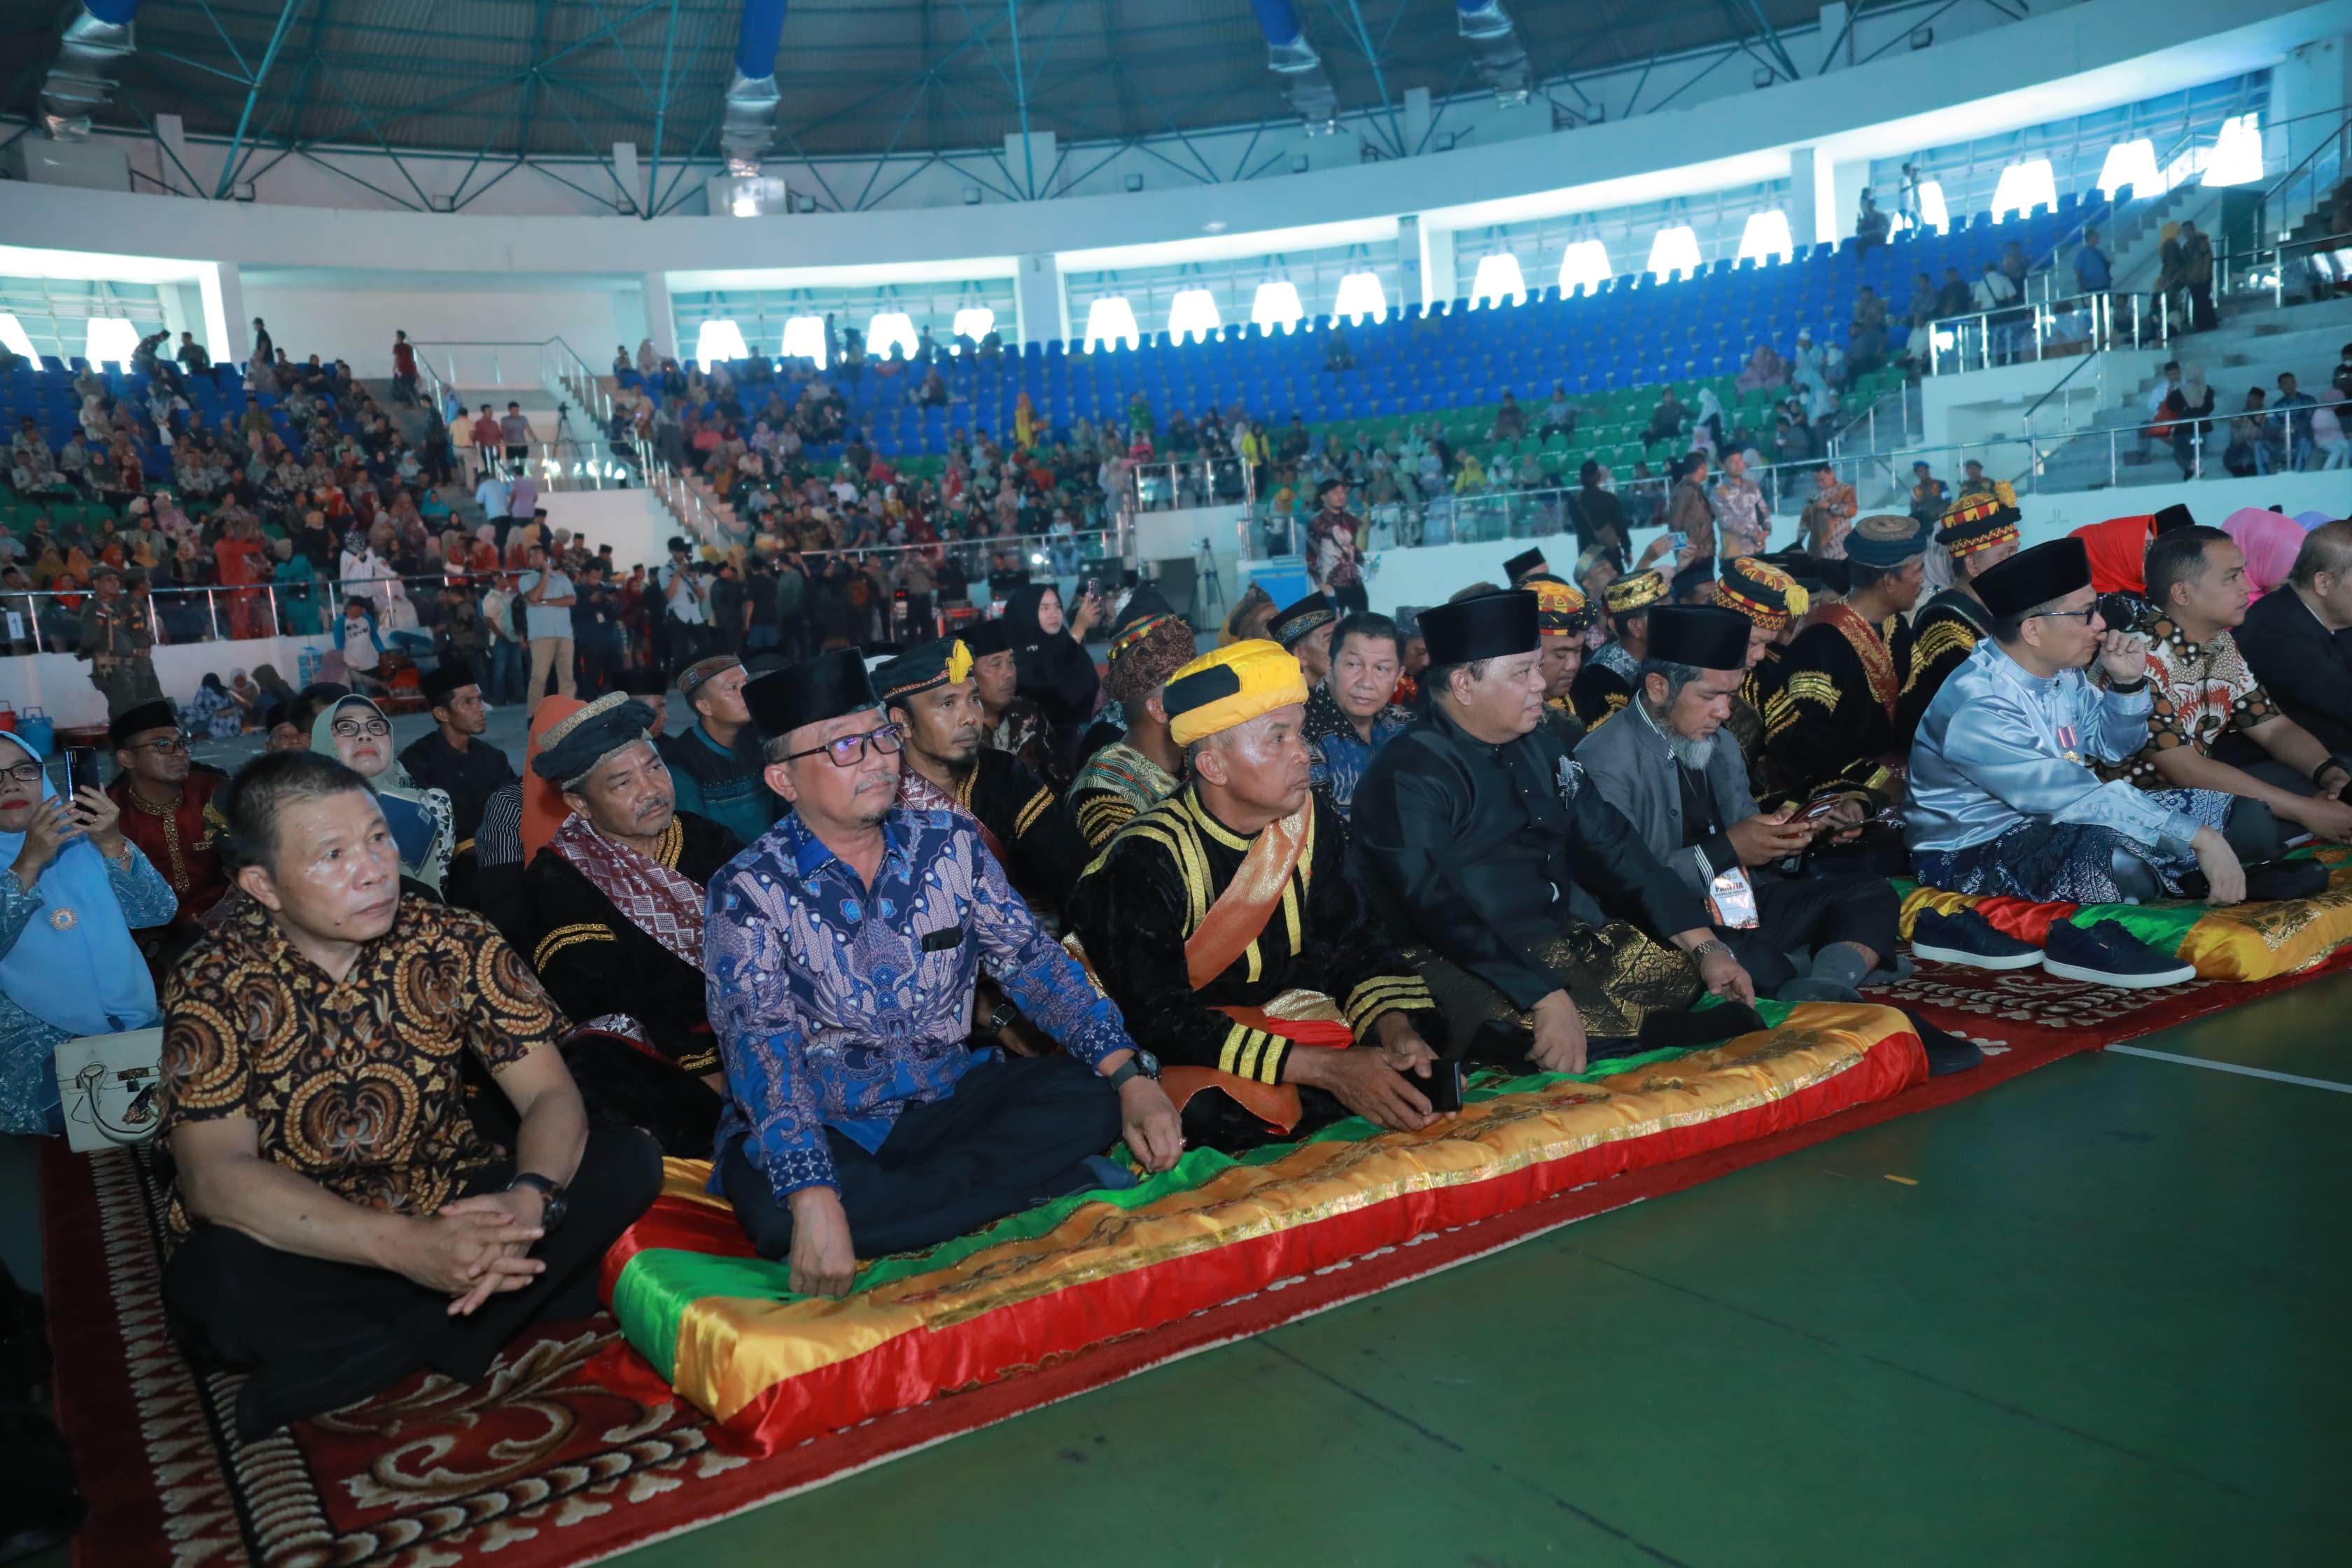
{"x":1442,"y":1088}
{"x":81,"y":769}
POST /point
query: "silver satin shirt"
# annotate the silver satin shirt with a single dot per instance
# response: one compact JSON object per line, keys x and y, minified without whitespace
{"x":2000,"y":747}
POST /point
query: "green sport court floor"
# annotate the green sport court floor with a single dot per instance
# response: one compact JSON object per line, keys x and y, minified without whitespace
{"x":2093,"y":1316}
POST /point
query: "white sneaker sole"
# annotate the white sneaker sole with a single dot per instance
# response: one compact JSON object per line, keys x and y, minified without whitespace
{"x":1976,"y":959}
{"x":2181,"y":975}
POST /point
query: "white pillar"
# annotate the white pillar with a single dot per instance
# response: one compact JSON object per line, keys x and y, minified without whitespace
{"x":661,"y":322}
{"x":1437,"y":280}
{"x":1804,"y":207}
{"x":1844,"y":188}
{"x":1041,"y":306}
{"x":227,"y":332}
{"x":624,"y":170}
{"x":1417,"y":119}
{"x":170,"y":133}
{"x":2310,"y":91}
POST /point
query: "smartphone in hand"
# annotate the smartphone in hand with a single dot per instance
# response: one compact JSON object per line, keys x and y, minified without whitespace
{"x":81,"y":770}
{"x":1442,"y":1088}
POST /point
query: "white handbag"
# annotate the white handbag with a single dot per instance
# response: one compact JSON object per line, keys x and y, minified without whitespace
{"x":110,"y":1085}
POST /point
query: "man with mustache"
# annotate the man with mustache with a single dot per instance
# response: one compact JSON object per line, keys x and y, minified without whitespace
{"x":929,"y":692}
{"x":616,"y":901}
{"x":841,"y":951}
{"x":1213,"y":916}
{"x":338,"y":1219}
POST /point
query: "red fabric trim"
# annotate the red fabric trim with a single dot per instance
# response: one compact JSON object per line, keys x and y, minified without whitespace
{"x":914,"y":1368}
{"x":2022,"y":918}
{"x":679,"y":1223}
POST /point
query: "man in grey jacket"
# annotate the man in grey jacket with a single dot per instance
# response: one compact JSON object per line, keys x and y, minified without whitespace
{"x":1668,"y":768}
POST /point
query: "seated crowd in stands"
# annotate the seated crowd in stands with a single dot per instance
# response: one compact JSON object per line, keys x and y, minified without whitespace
{"x":907,"y":942}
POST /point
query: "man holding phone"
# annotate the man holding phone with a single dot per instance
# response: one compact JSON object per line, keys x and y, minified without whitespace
{"x":1267,"y":990}
{"x":166,"y":801}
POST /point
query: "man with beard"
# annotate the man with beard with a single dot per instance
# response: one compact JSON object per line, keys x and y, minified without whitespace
{"x":929,"y":694}
{"x":1838,"y":726}
{"x":1544,"y":927}
{"x":1676,"y":776}
{"x":616,"y":905}
{"x":1149,"y":643}
{"x":1563,"y":618}
{"x":453,"y":759}
{"x":167,"y":806}
{"x":841,"y":951}
{"x":1224,"y":922}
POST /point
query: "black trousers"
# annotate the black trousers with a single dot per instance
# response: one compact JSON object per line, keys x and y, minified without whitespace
{"x":318,"y":1335}
{"x":1804,"y":915}
{"x":1014,"y":1133}
{"x":600,"y":666}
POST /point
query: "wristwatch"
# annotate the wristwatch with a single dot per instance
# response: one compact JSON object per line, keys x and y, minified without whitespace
{"x":555,"y":1206}
{"x":1142,"y":1062}
{"x":2332,"y":759}
{"x":1712,"y":944}
{"x":1002,"y":1017}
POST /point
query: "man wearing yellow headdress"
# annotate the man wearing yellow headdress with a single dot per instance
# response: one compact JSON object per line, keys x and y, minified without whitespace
{"x":1606,"y":683}
{"x":1224,"y":923}
{"x":1563,"y":617}
{"x":1978,"y":533}
{"x":1773,"y":603}
{"x":930,"y":692}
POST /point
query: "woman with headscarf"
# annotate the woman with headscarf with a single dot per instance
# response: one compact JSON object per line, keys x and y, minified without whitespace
{"x":1051,"y":665}
{"x":2269,"y":541}
{"x":1764,"y":371}
{"x":212,"y":713}
{"x":1024,"y":422}
{"x":649,"y":361}
{"x":423,"y":823}
{"x":275,"y":692}
{"x":74,"y":891}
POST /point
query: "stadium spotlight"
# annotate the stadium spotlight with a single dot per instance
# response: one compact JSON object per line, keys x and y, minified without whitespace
{"x":1133,"y":181}
{"x":971,"y":195}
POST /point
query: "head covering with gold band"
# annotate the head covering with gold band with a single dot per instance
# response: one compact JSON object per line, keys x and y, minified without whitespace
{"x":1149,"y":643}
{"x":1231,"y":686}
{"x":1979,"y":522}
{"x":695,"y":676}
{"x":1638,"y":591}
{"x":1762,"y":592}
{"x":582,"y":742}
{"x":1294,"y":623}
{"x":1560,"y":609}
{"x":942,"y":661}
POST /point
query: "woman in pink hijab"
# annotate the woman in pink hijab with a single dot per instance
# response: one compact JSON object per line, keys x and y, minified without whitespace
{"x":2270,"y":541}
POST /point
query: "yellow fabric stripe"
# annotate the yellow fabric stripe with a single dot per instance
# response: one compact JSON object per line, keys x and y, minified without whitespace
{"x":556,"y":941}
{"x":1269,"y":1066}
{"x":732,"y":1348}
{"x":1031,"y":812}
{"x":1101,"y":815}
{"x":1290,"y":911}
{"x":1388,"y":994}
{"x":1229,"y":1054}
{"x":1253,"y":1042}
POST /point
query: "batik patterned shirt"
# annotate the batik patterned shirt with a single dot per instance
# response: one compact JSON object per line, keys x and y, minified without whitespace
{"x":2202,"y":691}
{"x":837,"y":1005}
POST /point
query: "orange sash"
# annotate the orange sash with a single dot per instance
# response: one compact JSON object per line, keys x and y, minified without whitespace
{"x":1241,"y":911}
{"x":1877,"y":659}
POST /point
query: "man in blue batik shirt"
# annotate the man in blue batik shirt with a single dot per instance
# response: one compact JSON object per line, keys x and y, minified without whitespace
{"x":2002,"y":799}
{"x":841,"y":952}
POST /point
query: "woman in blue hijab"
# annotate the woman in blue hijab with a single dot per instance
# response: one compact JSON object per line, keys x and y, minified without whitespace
{"x":71,"y":890}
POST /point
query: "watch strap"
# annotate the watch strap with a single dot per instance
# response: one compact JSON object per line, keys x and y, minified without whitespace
{"x":1131,"y":1068}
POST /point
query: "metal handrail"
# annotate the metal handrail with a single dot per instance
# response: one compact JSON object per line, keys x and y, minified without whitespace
{"x":1957,"y":332}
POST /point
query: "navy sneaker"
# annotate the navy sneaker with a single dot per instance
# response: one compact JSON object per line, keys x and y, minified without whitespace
{"x":1967,"y":938}
{"x":2108,"y":954}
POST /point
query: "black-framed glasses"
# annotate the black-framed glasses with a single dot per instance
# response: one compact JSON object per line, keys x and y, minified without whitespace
{"x":24,"y":774}
{"x":2083,"y":615}
{"x":848,"y":750}
{"x":162,"y":745}
{"x":353,"y":728}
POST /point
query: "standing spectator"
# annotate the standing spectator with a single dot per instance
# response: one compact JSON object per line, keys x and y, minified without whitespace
{"x":685,"y":618}
{"x":1829,"y":515}
{"x":507,"y":659}
{"x":2342,"y":379}
{"x":1870,"y":225}
{"x":1931,"y":497}
{"x":117,"y":637}
{"x":547,"y":597}
{"x":596,"y":630}
{"x":514,"y":431}
{"x":730,"y":609}
{"x":1691,"y":514}
{"x":2197,"y":277}
{"x":489,"y":435}
{"x":1741,"y":514}
{"x":403,"y":369}
{"x":1995,"y":298}
{"x":2093,"y":272}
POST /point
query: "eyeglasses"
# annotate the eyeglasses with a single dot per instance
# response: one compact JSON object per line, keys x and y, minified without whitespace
{"x":353,"y":728}
{"x":162,"y":745}
{"x":850,"y":749}
{"x":24,"y":774}
{"x":2083,"y":615}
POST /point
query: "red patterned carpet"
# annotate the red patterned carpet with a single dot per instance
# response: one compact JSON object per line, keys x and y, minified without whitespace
{"x":569,"y":1455}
